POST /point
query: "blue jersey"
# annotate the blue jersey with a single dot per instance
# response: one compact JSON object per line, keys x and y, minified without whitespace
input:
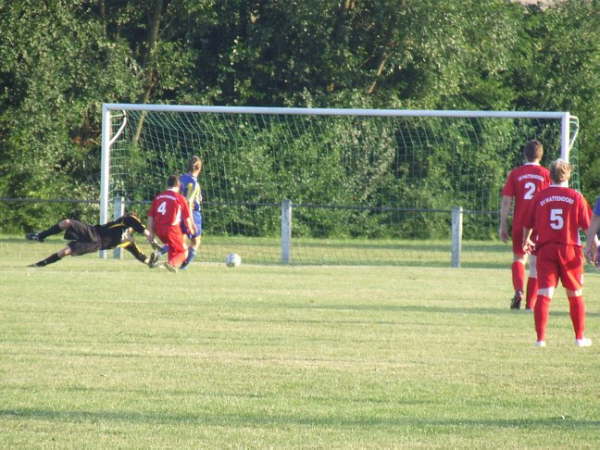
{"x":190,"y":189}
{"x":597,"y":207}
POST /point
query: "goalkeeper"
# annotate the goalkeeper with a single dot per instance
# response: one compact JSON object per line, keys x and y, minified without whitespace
{"x":86,"y":238}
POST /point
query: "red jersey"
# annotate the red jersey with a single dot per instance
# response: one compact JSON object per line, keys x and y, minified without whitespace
{"x":168,"y":209}
{"x":557,"y":214}
{"x":523,"y":183}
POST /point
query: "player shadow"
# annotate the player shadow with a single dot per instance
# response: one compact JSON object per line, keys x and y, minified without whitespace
{"x":245,"y":419}
{"x":374,"y":307}
{"x":503,"y":309}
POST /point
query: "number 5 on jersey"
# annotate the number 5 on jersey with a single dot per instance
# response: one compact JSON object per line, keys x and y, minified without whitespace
{"x":557,"y":222}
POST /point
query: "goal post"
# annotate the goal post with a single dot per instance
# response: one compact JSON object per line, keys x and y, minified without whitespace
{"x":352,"y":178}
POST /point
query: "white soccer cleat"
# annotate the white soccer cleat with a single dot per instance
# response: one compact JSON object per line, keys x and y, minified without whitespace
{"x":583,"y":342}
{"x":540,"y":343}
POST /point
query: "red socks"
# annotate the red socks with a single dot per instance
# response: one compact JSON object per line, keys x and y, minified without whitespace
{"x":531,"y":297}
{"x":577,"y":311}
{"x":540,"y":315}
{"x":518,"y":275}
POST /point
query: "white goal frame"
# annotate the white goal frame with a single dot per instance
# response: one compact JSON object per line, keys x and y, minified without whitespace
{"x":109,"y":136}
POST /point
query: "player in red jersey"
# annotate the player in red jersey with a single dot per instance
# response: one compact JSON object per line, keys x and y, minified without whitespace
{"x":557,"y":214}
{"x":521,"y":185}
{"x":168,"y":210}
{"x":592,"y":250}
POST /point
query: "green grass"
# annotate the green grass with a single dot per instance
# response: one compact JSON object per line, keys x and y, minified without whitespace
{"x":108,"y":354}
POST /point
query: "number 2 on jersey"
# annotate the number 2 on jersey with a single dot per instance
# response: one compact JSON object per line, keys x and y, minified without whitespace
{"x":529,"y":190}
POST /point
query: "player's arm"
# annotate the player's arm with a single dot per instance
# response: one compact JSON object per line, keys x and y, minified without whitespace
{"x":527,"y":244}
{"x":135,"y":223}
{"x":189,"y":195}
{"x":187,"y":215}
{"x":591,"y":245}
{"x":150,"y":229}
{"x":505,"y":208}
{"x":132,"y":221}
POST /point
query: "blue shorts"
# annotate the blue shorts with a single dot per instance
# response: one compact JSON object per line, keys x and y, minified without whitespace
{"x":197,"y":217}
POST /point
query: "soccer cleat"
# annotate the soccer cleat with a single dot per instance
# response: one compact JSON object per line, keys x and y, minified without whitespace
{"x":583,"y":342}
{"x":540,"y":343}
{"x":169,"y":267}
{"x":515,"y":303}
{"x":153,"y":260}
{"x":34,"y":237}
{"x":34,"y":265}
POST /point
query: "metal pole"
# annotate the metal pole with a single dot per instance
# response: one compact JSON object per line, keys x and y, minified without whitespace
{"x":457,"y":225}
{"x":286,"y":231}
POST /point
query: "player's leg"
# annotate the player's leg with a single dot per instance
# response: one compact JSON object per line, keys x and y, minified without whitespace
{"x":57,"y":228}
{"x":177,"y":248}
{"x":532,"y":283}
{"x":194,"y":241}
{"x":53,"y":257}
{"x":547,"y":273}
{"x":518,"y":267}
{"x":137,"y":253}
{"x":572,"y":279}
{"x":174,"y":240}
{"x":518,"y":279}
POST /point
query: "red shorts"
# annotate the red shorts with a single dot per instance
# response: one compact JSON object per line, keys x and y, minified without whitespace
{"x":173,"y":237}
{"x":559,"y":261}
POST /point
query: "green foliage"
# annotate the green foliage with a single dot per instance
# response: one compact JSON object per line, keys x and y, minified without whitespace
{"x":61,"y":60}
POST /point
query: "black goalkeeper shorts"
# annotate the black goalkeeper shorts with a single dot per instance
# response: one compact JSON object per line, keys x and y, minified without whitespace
{"x":84,"y":238}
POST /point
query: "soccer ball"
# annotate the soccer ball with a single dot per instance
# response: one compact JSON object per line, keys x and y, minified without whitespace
{"x":233,"y":260}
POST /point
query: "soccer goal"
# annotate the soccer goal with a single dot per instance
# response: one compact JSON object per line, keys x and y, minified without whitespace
{"x":328,"y":186}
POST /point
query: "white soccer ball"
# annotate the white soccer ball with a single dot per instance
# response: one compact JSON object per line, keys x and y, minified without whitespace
{"x":233,"y":260}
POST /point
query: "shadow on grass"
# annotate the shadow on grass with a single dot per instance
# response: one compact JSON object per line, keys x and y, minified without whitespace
{"x":262,"y":419}
{"x":505,"y":310}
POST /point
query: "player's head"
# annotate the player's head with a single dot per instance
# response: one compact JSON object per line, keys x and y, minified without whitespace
{"x":533,"y":151}
{"x":560,"y":171}
{"x":173,"y":181}
{"x":195,"y":164}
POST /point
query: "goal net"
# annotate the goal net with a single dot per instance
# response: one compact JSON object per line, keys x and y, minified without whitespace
{"x":328,"y":186}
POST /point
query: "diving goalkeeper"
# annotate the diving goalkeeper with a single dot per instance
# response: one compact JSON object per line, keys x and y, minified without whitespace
{"x":86,"y":238}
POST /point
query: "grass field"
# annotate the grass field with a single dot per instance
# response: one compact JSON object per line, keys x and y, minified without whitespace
{"x":109,"y":354}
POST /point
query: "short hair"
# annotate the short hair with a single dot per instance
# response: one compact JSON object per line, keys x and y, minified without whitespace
{"x":195,"y":163}
{"x":173,"y":181}
{"x":533,"y":150}
{"x":560,"y":171}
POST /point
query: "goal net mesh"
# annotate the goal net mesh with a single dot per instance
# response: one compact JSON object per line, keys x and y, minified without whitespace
{"x":364,"y":189}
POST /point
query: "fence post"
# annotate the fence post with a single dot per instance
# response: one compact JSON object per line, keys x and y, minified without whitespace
{"x":286,"y":231}
{"x":457,"y":225}
{"x":118,"y":211}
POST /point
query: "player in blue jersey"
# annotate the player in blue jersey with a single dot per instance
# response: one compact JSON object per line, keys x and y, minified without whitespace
{"x":190,"y":189}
